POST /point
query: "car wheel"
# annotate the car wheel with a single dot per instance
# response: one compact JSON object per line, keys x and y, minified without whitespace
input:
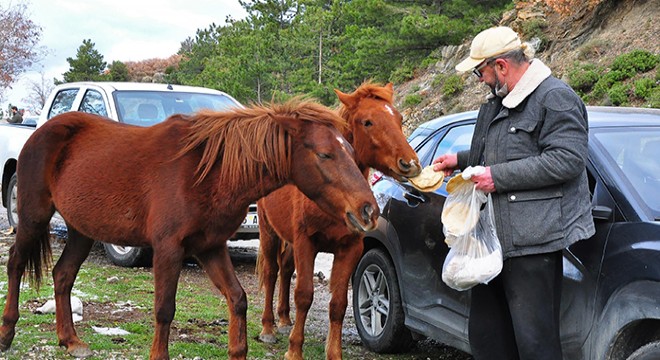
{"x":650,"y":351}
{"x":12,"y":211}
{"x":377,"y":307}
{"x":128,"y":256}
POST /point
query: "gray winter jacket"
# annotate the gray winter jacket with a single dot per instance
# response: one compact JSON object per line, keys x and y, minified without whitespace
{"x":535,"y":142}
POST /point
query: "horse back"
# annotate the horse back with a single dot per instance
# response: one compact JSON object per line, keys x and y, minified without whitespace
{"x":102,"y":176}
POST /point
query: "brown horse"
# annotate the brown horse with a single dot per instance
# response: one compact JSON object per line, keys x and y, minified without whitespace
{"x":374,"y":130}
{"x":181,"y":187}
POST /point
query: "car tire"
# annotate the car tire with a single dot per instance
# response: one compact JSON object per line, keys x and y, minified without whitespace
{"x":10,"y":200}
{"x":650,"y":351}
{"x":377,"y":306}
{"x":128,"y":256}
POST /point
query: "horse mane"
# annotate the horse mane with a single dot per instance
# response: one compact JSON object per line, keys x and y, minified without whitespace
{"x":248,"y":140}
{"x":368,"y":89}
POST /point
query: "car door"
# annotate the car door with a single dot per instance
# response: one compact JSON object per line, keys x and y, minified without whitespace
{"x":415,"y":220}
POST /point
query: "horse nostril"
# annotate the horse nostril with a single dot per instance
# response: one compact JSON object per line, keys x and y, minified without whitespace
{"x":404,"y":165}
{"x":367,"y":212}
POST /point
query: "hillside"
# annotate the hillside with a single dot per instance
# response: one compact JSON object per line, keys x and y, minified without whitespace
{"x":593,"y":36}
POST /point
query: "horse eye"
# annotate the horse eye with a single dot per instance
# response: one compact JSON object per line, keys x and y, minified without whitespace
{"x":367,"y":123}
{"x":324,"y":156}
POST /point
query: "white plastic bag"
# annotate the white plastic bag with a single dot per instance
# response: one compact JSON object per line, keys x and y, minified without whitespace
{"x":475,"y":256}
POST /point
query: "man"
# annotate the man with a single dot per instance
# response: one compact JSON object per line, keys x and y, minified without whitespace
{"x":16,"y":117}
{"x":531,"y":135}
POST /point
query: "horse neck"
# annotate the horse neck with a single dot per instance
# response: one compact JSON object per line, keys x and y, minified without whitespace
{"x":347,"y":133}
{"x":251,"y":191}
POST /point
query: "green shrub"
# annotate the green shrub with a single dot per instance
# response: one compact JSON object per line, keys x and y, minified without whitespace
{"x":635,"y":61}
{"x":606,"y":82}
{"x":438,"y":80}
{"x":403,"y":73}
{"x":644,"y":87}
{"x":654,"y":98}
{"x":583,"y":77}
{"x":412,"y":100}
{"x":453,"y":85}
{"x":534,"y":28}
{"x":430,"y":60}
{"x":618,"y":94}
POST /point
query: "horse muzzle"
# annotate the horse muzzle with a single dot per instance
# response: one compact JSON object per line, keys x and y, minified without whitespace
{"x":407,"y":169}
{"x":365,"y":221}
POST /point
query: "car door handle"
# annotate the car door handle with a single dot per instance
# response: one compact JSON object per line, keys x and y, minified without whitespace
{"x":414,"y":198}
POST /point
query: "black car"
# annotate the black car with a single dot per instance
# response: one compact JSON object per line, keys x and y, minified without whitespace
{"x":611,"y":287}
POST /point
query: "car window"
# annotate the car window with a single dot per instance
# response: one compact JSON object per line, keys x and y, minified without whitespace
{"x":635,"y":153}
{"x":426,"y":150}
{"x":444,"y":141}
{"x":416,"y":138}
{"x":457,"y":139}
{"x":62,"y":102}
{"x":146,"y":108}
{"x":93,"y":103}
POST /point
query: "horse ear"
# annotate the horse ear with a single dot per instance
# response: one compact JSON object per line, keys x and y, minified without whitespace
{"x":291,"y":124}
{"x":390,"y":90}
{"x":345,"y":99}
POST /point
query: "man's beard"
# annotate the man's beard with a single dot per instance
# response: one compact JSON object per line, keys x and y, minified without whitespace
{"x":498,"y":90}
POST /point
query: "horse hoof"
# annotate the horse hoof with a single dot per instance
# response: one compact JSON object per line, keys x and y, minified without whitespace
{"x":268,"y":338}
{"x":286,"y":330}
{"x":6,"y":340}
{"x":80,"y":352}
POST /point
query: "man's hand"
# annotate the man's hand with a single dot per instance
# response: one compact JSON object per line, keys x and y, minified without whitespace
{"x":447,"y":163}
{"x":484,"y":181}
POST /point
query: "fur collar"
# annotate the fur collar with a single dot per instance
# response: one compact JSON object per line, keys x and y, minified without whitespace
{"x":531,"y":79}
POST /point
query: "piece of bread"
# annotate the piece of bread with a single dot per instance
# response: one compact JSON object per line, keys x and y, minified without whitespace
{"x":428,"y":180}
{"x":455,"y":182}
{"x":457,"y":219}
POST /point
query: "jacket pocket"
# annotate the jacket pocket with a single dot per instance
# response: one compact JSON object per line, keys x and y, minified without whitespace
{"x":536,"y":216}
{"x":522,"y":140}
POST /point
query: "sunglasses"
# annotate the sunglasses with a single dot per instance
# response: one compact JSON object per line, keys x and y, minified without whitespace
{"x":477,"y":71}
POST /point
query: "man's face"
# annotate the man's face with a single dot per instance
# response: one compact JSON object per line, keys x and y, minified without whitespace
{"x":490,"y":74}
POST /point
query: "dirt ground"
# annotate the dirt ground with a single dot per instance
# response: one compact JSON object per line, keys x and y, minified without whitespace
{"x":244,"y":260}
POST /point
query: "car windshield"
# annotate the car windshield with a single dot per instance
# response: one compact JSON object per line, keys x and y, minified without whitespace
{"x":636,"y":152}
{"x":146,"y":108}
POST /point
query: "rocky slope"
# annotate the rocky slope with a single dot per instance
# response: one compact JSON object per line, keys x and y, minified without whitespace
{"x":594,"y":35}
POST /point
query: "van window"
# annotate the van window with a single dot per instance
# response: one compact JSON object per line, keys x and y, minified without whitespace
{"x":93,"y":103}
{"x":62,"y":102}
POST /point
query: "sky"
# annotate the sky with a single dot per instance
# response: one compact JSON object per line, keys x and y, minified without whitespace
{"x":121,"y":30}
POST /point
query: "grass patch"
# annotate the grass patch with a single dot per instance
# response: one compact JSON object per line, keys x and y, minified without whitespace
{"x":199,"y":329}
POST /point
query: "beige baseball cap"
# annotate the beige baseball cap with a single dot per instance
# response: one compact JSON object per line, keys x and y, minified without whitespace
{"x":489,"y":43}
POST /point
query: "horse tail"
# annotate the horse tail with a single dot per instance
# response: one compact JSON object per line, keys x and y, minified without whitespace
{"x":42,"y":155}
{"x":37,"y":257}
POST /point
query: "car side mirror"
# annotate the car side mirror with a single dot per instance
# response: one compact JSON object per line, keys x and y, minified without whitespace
{"x":600,"y":212}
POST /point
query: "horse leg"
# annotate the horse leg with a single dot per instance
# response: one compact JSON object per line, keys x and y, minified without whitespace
{"x":27,"y":242}
{"x":218,"y":266}
{"x":285,"y":259}
{"x":304,"y":254}
{"x":269,"y":245}
{"x":343,"y":265}
{"x":65,"y":271}
{"x":167,"y":264}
